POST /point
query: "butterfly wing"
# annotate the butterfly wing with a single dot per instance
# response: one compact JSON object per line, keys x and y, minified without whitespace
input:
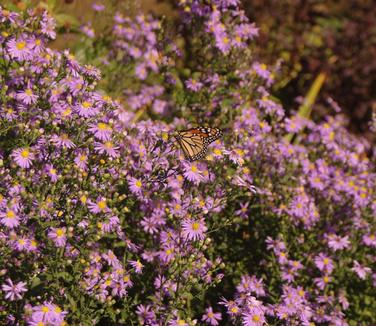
{"x":194,"y":142}
{"x":192,"y":145}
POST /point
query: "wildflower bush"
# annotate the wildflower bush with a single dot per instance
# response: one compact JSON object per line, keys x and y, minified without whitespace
{"x":103,"y":221}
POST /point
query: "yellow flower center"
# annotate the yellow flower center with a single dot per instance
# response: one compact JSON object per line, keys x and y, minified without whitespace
{"x":60,"y":232}
{"x":29,"y":92}
{"x":256,"y":318}
{"x":326,"y":261}
{"x":181,"y":322}
{"x":86,"y":104}
{"x":225,"y":40}
{"x":53,"y":171}
{"x":108,"y":145}
{"x":25,"y":153}
{"x":21,"y":241}
{"x":103,"y":126}
{"x":67,"y":112}
{"x":326,"y":279}
{"x":45,"y":309}
{"x":234,"y":310}
{"x":102,"y":205}
{"x":138,"y":184}
{"x":10,"y":214}
{"x":83,"y":199}
{"x":263,"y":66}
{"x":83,"y":158}
{"x":194,"y":168}
{"x":195,"y":226}
{"x":58,"y":310}
{"x":20,"y":45}
{"x":126,"y":278}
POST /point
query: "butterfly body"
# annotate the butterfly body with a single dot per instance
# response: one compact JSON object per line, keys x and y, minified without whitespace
{"x":194,"y":142}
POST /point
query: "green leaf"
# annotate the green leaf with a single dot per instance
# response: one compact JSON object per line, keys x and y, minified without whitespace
{"x":35,"y":282}
{"x":64,"y":19}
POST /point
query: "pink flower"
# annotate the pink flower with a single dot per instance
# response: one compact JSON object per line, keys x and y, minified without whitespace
{"x":194,"y":229}
{"x":62,"y":141}
{"x":23,"y":157}
{"x":135,"y":185}
{"x":137,"y":265}
{"x":193,"y":85}
{"x":324,"y":263}
{"x":100,"y":206}
{"x":211,"y":317}
{"x":19,"y":48}
{"x":192,"y":173}
{"x":107,"y":148}
{"x":48,"y":313}
{"x":369,"y":240}
{"x":58,"y":236}
{"x":101,"y":130}
{"x":13,"y":291}
{"x":9,"y":218}
{"x":27,"y":96}
{"x":81,"y":160}
{"x":360,"y":270}
{"x":335,"y":242}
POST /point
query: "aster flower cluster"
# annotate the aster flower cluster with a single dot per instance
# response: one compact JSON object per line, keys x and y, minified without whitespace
{"x":102,"y":220}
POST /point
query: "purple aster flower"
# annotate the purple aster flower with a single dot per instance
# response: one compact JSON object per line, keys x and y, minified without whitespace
{"x":62,"y":141}
{"x":51,"y":172}
{"x":194,"y":229}
{"x":369,"y":240}
{"x":22,"y":244}
{"x":135,"y":185}
{"x":360,"y":270}
{"x":108,"y":148}
{"x":336,"y":242}
{"x":13,"y":291}
{"x":86,"y":109}
{"x":137,"y":265}
{"x":193,"y":85}
{"x":192,"y":173}
{"x":243,"y":210}
{"x":100,"y":206}
{"x":98,"y":6}
{"x":81,"y":160}
{"x":254,"y":316}
{"x":141,"y":71}
{"x":48,"y":25}
{"x":23,"y":157}
{"x":48,"y":313}
{"x":324,"y":263}
{"x":19,"y":48}
{"x":211,"y":317}
{"x":322,"y":282}
{"x":58,"y":236}
{"x":9,"y":218}
{"x":223,"y":42}
{"x":101,"y":131}
{"x":145,"y":313}
{"x":27,"y":96}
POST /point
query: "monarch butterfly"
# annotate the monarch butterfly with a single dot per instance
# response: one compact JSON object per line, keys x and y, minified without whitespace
{"x":194,"y":142}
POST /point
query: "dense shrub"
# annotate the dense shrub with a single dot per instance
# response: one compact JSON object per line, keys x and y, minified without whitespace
{"x":102,"y":220}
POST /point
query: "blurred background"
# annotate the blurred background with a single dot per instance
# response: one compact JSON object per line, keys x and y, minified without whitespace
{"x":330,"y":42}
